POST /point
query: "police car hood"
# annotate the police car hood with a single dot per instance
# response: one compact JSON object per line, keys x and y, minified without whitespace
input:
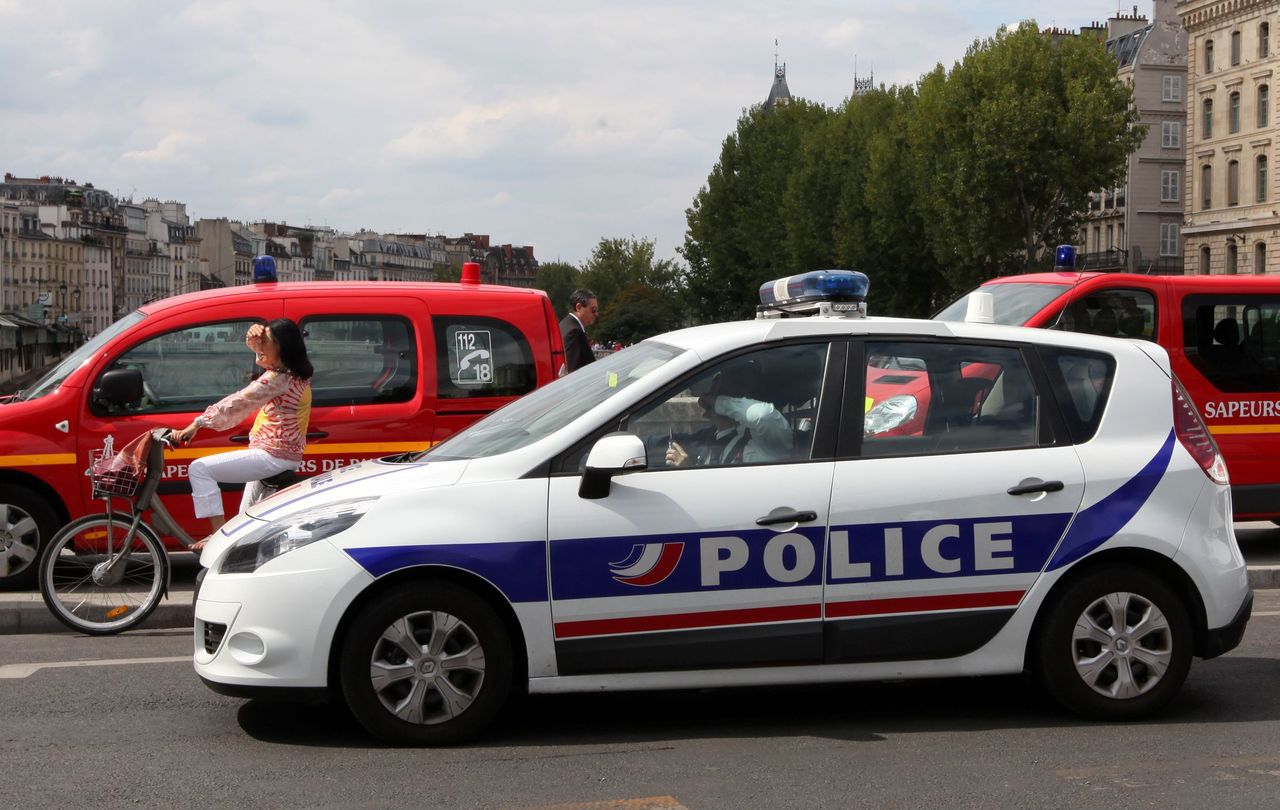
{"x":373,"y":478}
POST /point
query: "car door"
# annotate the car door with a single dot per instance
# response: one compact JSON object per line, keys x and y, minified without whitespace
{"x":937,"y":533}
{"x":367,"y":393}
{"x":188,"y":361}
{"x":714,"y":558}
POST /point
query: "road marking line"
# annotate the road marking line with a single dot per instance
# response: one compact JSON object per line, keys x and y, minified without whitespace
{"x":25,"y":670}
{"x":1266,"y":613}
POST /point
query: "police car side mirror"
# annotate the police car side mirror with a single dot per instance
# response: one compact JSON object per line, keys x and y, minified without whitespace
{"x":614,"y":454}
{"x":119,"y":386}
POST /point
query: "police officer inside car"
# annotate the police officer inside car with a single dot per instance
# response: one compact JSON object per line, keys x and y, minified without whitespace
{"x":743,"y":430}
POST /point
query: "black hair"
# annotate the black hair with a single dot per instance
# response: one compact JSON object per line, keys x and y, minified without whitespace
{"x":580,"y":298}
{"x":293,"y":351}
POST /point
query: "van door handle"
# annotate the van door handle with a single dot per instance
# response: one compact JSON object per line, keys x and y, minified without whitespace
{"x":1029,"y":485}
{"x":785,"y":514}
{"x":243,"y":438}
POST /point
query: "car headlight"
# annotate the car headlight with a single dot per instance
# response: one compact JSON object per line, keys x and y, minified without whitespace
{"x":889,"y":414}
{"x":251,"y":552}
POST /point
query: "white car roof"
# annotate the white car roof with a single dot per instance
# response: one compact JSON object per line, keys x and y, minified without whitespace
{"x":714,"y":339}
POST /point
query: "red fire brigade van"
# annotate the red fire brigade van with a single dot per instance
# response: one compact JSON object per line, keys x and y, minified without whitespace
{"x":1223,"y":338}
{"x":398,"y":367}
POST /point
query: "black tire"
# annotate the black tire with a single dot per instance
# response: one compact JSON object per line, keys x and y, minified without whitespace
{"x":1122,"y":679}
{"x":424,"y":717}
{"x":102,"y":606}
{"x":27,"y":521}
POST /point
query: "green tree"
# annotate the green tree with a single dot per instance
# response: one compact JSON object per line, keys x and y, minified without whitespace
{"x":1008,"y":146}
{"x":736,"y":238}
{"x":558,"y":280}
{"x":617,"y":269}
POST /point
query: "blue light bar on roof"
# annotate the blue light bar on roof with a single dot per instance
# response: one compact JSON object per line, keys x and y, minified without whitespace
{"x":816,"y":285}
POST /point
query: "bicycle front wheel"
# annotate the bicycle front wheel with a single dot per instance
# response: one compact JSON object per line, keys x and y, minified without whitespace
{"x":93,"y":583}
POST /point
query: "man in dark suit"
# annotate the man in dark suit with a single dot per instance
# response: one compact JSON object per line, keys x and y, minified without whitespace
{"x":583,"y":310}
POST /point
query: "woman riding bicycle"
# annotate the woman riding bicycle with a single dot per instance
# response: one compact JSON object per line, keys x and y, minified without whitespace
{"x":282,"y":398}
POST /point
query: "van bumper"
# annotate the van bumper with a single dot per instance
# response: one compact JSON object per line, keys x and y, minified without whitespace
{"x":1255,"y":501}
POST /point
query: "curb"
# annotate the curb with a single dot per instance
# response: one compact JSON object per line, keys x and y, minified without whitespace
{"x":26,"y":613}
{"x":29,"y":615}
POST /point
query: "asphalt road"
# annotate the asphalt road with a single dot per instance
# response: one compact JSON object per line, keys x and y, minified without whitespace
{"x":144,"y":732}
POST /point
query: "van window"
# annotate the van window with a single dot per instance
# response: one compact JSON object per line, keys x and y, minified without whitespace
{"x":482,"y":357}
{"x":1114,"y":313}
{"x":1234,"y":340}
{"x":1014,"y":303}
{"x":361,"y":359}
{"x":188,"y":369}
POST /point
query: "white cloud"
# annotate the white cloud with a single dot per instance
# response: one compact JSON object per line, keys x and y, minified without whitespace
{"x":172,"y":148}
{"x":544,"y":125}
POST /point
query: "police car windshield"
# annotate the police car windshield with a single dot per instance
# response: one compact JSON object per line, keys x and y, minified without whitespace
{"x":548,"y":409}
{"x":60,"y":372}
{"x":1014,"y":303}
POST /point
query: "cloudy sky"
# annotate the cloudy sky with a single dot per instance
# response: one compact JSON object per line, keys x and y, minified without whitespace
{"x":549,"y":124}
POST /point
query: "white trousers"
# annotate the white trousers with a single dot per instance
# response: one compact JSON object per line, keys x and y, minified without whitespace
{"x":246,"y":467}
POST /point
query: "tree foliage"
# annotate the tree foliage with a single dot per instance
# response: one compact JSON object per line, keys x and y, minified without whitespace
{"x":929,"y":189}
{"x":558,"y":280}
{"x":640,"y":295}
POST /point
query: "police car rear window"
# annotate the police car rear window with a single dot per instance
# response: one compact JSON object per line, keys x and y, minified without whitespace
{"x":1082,"y":383}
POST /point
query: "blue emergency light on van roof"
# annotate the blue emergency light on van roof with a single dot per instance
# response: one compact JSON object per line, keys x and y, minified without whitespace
{"x":1064,"y":258}
{"x":264,"y":269}
{"x":816,"y":285}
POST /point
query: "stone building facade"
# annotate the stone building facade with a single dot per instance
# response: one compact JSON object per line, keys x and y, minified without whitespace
{"x":1232,"y":211}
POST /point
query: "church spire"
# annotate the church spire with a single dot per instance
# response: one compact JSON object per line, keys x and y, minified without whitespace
{"x":779,"y":93}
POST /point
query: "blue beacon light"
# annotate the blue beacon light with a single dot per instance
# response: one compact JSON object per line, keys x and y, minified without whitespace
{"x":814,"y":286}
{"x":1064,"y":260}
{"x":264,"y":269}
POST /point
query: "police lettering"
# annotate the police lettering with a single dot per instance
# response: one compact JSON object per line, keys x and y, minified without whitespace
{"x":791,"y":557}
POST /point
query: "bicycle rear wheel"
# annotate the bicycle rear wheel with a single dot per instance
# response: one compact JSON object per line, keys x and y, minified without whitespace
{"x":87,"y":592}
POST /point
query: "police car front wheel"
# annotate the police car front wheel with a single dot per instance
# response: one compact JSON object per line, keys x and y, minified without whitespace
{"x":426,"y":664}
{"x":1117,"y":645}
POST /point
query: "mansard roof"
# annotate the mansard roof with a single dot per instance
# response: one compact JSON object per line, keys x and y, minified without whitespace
{"x":779,"y":93}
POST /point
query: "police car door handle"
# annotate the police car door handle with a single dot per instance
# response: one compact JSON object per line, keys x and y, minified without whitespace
{"x":1029,"y":485}
{"x":785,"y":514}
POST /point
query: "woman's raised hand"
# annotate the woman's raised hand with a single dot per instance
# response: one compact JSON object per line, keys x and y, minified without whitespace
{"x":257,"y":333}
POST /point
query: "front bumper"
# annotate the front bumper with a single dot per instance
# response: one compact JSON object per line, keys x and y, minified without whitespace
{"x":1219,"y":640}
{"x":273,"y":629}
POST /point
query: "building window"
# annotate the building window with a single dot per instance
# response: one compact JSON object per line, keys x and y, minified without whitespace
{"x":1168,"y":239}
{"x":1169,"y":185}
{"x":1264,"y":40}
{"x":1264,"y":104}
{"x":1207,"y":119}
{"x":1097,"y":238}
{"x":1231,"y":259}
{"x":1120,"y":236}
{"x":1172,"y":88}
{"x":1206,"y":186}
{"x":1233,"y":113}
{"x":1204,"y":261}
{"x":1208,"y":56}
{"x":1233,"y":182}
{"x":1260,"y":179}
{"x":1170,"y":135}
{"x":1260,"y":258}
{"x":1111,"y":237}
{"x":1235,"y":47}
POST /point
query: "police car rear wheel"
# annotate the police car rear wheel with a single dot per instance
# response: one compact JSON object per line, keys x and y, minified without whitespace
{"x":25,"y":521}
{"x":426,"y":664}
{"x":1116,"y":646}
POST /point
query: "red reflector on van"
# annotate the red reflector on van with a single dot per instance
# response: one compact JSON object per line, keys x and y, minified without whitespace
{"x":1194,"y":435}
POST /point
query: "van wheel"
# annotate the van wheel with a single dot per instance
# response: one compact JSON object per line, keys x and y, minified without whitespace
{"x":1116,"y":646}
{"x":426,"y":664}
{"x":26,"y":522}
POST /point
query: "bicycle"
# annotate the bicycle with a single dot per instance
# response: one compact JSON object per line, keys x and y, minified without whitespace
{"x":106,"y":573}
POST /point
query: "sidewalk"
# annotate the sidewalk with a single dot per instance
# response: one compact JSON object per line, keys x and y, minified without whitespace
{"x":26,"y":612}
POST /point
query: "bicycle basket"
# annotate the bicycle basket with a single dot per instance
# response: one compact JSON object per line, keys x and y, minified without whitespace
{"x":112,"y":473}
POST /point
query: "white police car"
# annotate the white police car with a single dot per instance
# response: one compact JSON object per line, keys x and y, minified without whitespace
{"x":784,"y":500}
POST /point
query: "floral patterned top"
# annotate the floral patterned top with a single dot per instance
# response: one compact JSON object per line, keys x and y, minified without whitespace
{"x":283,"y":403}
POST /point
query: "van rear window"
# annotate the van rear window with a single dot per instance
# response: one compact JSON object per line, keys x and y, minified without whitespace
{"x":1234,"y":340}
{"x":482,"y":357}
